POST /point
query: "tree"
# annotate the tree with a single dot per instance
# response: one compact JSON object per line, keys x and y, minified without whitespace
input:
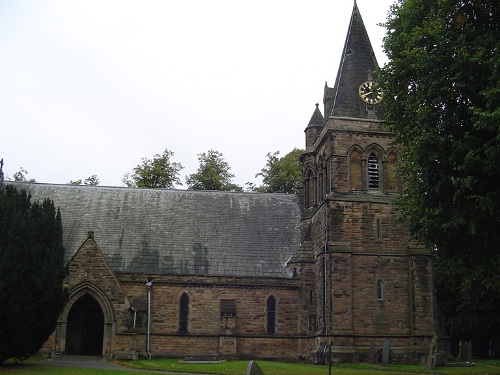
{"x":159,"y":172}
{"x":20,"y":176}
{"x":281,"y":175}
{"x":92,"y":180}
{"x":213,"y":174}
{"x":31,"y":272}
{"x":442,"y":102}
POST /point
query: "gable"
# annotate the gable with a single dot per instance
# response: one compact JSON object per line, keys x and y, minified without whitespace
{"x":89,"y":266}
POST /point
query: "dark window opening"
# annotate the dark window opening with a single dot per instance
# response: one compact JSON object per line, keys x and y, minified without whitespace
{"x":183,"y":313}
{"x":271,"y":315}
{"x":380,"y":290}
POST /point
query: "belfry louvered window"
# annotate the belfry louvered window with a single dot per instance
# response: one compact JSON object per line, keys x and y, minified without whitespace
{"x":373,"y":176}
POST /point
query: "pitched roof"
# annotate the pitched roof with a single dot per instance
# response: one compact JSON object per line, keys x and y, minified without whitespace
{"x":316,"y":118}
{"x":358,"y":59}
{"x":179,"y":232}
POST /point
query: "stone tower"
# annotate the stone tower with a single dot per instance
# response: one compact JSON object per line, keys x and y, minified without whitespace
{"x":363,"y":280}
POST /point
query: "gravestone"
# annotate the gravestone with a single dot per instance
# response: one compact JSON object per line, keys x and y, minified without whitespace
{"x":432,"y":354}
{"x":371,"y":358}
{"x":385,"y":352}
{"x":460,"y":349}
{"x":463,"y":352}
{"x":469,"y":351}
{"x":253,"y":369}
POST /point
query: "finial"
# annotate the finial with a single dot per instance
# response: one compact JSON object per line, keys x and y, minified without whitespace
{"x":355,"y":5}
{"x":317,"y":105}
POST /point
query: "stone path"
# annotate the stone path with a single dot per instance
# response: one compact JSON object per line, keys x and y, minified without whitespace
{"x":77,"y":361}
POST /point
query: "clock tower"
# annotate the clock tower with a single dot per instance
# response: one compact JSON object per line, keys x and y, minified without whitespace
{"x":364,"y":280}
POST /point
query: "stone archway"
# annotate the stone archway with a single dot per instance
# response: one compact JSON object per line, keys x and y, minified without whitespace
{"x":85,"y":327}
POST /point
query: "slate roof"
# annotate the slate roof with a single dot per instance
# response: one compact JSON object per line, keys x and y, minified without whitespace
{"x":179,"y":232}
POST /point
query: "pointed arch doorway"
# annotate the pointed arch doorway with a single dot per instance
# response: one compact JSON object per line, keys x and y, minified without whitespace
{"x":85,"y":329}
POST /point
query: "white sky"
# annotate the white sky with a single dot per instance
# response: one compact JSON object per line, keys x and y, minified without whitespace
{"x":92,"y":86}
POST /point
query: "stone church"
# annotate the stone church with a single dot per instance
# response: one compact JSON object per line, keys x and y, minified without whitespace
{"x":173,"y":273}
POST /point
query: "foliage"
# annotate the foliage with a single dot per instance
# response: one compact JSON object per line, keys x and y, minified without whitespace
{"x":21,"y":176}
{"x":92,"y":180}
{"x":281,"y":175}
{"x":213,"y":173}
{"x":31,"y":272}
{"x":442,"y":101}
{"x":159,"y":172}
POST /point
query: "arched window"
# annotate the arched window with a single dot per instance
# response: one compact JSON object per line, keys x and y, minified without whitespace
{"x":355,"y":175}
{"x":271,"y":315}
{"x":392,"y":178}
{"x":380,"y":290}
{"x":310,"y":189}
{"x":183,"y":313}
{"x":373,"y":172}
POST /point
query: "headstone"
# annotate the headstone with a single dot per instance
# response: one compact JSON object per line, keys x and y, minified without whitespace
{"x":469,"y":351}
{"x":460,"y":349}
{"x":432,"y":352}
{"x":385,"y":352}
{"x":253,"y":369}
{"x":463,"y":352}
{"x":371,"y":358}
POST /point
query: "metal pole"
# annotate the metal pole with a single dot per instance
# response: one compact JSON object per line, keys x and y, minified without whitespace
{"x":330,"y":358}
{"x":148,"y":285}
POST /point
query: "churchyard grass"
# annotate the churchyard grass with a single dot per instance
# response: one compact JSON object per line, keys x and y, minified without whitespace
{"x":483,"y":367}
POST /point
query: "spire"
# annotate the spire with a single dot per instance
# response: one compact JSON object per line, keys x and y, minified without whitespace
{"x":314,"y":127}
{"x":357,"y":63}
{"x":317,"y":118}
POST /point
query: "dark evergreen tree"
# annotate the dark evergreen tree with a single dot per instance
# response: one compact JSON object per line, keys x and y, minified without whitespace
{"x":31,"y":272}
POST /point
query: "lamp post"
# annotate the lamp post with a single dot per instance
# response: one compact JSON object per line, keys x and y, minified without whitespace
{"x":148,"y":286}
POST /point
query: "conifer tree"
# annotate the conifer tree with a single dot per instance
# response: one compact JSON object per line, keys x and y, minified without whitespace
{"x":31,"y":272}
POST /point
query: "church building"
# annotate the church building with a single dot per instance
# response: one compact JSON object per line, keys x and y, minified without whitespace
{"x":173,"y":273}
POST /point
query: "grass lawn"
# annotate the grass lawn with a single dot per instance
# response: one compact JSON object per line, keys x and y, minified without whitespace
{"x":277,"y":368}
{"x":483,"y":367}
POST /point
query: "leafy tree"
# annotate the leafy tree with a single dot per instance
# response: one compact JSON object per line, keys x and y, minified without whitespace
{"x":213,"y":174}
{"x":442,"y":101}
{"x":92,"y":180}
{"x":31,"y":272}
{"x":159,"y":172}
{"x":281,"y":175}
{"x":20,"y":176}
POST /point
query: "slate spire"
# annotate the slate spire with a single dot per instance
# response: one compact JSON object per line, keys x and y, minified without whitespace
{"x":314,"y":127}
{"x":357,"y":63}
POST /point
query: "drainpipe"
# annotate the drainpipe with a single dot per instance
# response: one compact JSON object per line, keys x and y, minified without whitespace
{"x":148,"y":285}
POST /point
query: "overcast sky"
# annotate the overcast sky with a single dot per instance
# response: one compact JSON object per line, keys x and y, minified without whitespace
{"x":93,"y":86}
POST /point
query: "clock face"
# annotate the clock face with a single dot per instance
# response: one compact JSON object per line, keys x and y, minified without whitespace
{"x":369,"y":93}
